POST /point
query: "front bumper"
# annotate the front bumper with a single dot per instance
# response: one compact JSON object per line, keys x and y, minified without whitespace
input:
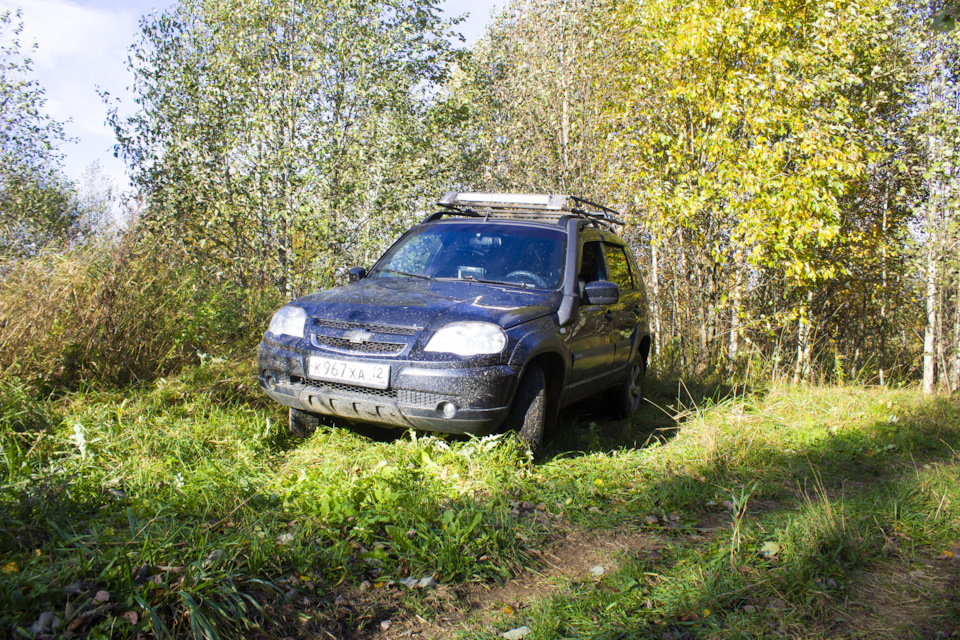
{"x":414,"y":398}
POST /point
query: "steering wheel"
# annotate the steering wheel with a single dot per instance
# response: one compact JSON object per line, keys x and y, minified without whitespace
{"x":527,"y":276}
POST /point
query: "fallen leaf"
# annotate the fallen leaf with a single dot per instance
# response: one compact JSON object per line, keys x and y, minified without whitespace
{"x":142,"y":574}
{"x":215,"y":556}
{"x":516,"y":634}
{"x":769,"y":549}
{"x":130,"y":616}
{"x":78,"y":624}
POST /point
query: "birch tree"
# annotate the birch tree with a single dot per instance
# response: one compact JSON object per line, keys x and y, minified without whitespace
{"x":284,"y":139}
{"x":38,"y":206}
{"x":735,"y":125}
{"x":936,"y":127}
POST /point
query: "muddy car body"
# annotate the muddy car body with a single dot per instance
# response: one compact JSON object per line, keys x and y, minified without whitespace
{"x":492,"y":313}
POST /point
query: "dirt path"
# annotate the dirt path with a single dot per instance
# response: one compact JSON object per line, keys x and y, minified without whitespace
{"x":579,"y":555}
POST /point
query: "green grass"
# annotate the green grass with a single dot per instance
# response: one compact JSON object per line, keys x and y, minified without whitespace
{"x":186,"y":501}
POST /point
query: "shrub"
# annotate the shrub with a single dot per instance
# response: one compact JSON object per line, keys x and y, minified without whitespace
{"x":119,"y":312}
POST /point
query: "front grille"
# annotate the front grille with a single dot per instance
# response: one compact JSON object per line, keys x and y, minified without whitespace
{"x":421,"y":398}
{"x":367,"y":326}
{"x":350,"y":389}
{"x":403,"y":396}
{"x":342,"y":344}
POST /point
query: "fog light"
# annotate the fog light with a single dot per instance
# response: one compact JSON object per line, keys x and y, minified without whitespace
{"x":271,"y":382}
{"x":447,"y":410}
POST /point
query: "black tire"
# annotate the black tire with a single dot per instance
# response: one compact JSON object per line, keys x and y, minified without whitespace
{"x":528,"y":414}
{"x":302,"y":423}
{"x":630,"y":394}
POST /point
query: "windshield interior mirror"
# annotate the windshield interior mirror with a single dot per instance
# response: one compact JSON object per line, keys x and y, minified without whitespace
{"x":482,"y":243}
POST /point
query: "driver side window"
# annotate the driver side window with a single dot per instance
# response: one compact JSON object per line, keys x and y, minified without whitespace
{"x":592,"y":267}
{"x":416,"y":254}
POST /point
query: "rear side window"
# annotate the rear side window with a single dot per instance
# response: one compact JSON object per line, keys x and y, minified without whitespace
{"x":618,"y":268}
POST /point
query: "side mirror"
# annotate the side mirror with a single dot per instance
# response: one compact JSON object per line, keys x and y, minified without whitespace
{"x":601,"y":292}
{"x":356,"y":273}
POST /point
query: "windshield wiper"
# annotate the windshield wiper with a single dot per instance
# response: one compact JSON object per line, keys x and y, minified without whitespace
{"x":405,"y":273}
{"x":513,"y":283}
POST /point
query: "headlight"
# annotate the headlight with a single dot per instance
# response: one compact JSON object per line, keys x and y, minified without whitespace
{"x":468,"y":339}
{"x":288,"y":321}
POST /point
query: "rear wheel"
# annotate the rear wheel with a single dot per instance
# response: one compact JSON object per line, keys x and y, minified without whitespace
{"x":630,"y":393}
{"x":302,"y":423}
{"x":528,"y":415}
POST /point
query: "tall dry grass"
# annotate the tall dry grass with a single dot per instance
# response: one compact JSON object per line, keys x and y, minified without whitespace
{"x":118,"y":312}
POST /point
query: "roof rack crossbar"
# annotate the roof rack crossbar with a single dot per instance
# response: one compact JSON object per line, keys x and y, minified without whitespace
{"x":548,"y":206}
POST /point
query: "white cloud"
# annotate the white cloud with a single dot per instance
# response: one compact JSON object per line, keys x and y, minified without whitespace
{"x":79,"y":48}
{"x":83,"y":45}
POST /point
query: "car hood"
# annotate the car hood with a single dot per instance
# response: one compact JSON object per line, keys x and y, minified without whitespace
{"x":429,"y":304}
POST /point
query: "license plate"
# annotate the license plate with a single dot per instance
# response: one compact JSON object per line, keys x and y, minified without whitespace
{"x":364,"y":374}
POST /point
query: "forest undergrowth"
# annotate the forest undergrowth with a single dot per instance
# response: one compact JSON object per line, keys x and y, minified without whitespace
{"x":181,"y":508}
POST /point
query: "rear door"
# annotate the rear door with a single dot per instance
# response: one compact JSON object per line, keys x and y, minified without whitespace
{"x":628,"y":311}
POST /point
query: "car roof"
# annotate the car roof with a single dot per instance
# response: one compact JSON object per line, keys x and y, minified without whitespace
{"x":550,"y":209}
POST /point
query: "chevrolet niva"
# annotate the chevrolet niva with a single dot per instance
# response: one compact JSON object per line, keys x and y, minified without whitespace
{"x":491,"y":314}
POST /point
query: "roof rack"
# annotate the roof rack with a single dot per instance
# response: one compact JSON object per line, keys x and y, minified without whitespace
{"x":524,"y":205}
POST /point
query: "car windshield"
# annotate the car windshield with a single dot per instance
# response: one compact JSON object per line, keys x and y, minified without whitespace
{"x":513,"y":254}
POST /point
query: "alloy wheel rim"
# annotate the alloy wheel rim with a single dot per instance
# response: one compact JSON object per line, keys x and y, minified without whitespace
{"x":635,"y":387}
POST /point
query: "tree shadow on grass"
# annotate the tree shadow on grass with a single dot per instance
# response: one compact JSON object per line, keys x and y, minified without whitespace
{"x":859,"y":515}
{"x":590,"y":426}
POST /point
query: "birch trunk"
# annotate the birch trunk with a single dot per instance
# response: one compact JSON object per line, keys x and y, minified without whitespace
{"x":930,"y":330}
{"x":883,"y":288}
{"x":804,"y":346}
{"x":657,"y":320}
{"x":955,"y":385}
{"x":736,"y":303}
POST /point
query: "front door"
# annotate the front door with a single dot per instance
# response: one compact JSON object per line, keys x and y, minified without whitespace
{"x":589,"y":336}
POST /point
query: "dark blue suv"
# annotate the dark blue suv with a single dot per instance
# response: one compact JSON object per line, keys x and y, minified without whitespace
{"x":491,"y":314}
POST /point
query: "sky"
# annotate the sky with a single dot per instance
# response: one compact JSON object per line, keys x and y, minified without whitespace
{"x":82,"y":47}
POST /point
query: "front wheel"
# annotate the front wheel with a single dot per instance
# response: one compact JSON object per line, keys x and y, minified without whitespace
{"x":630,"y":393}
{"x":528,"y":414}
{"x":302,"y":423}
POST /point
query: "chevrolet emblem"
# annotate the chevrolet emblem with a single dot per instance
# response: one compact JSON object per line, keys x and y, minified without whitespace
{"x":357,"y":336}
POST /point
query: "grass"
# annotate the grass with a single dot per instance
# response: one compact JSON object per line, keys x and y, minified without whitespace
{"x":183,"y":501}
